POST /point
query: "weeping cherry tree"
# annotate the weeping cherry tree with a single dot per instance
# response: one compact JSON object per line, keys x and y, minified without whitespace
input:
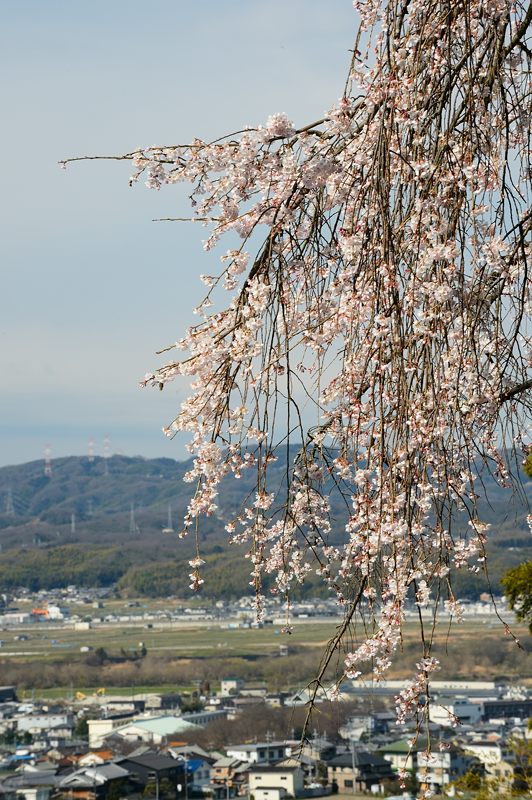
{"x":375,"y":322}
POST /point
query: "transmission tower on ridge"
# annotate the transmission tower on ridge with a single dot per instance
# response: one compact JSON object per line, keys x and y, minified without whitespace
{"x":10,"y":506}
{"x":91,"y":450}
{"x":48,"y":460}
{"x":106,"y":453}
{"x":133,"y":527}
{"x":169,"y":527}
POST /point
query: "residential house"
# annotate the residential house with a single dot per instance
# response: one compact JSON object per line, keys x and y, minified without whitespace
{"x":54,"y":737}
{"x":152,"y":766}
{"x":182,"y":750}
{"x":402,"y":755}
{"x":231,"y":686}
{"x":306,"y":696}
{"x":488,"y":751}
{"x":318,"y":748}
{"x":198,"y":773}
{"x":34,"y":793}
{"x":312,"y":755}
{"x":159,"y":701}
{"x":259,"y":752}
{"x":276,"y":781}
{"x":32,"y":783}
{"x":357,"y":771}
{"x":503,"y":773}
{"x":435,"y":770}
{"x":95,"y":758}
{"x":35,"y":723}
{"x":313,"y":769}
{"x":275,"y":700}
{"x":198,"y":765}
{"x":93,"y":783}
{"x":256,"y":691}
{"x":234,"y":705}
{"x":228,"y":776}
{"x":100,"y":729}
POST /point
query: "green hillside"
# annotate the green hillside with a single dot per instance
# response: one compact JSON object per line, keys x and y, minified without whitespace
{"x":100,"y":522}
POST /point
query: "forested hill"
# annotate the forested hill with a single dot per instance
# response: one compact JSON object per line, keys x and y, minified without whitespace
{"x":93,"y":522}
{"x":99,"y":521}
{"x":99,"y":493}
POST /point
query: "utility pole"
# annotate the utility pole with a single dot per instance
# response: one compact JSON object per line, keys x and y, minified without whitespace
{"x":106,"y":453}
{"x":353,"y":762}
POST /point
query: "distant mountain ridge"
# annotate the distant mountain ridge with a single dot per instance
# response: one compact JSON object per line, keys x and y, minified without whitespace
{"x":105,"y":508}
{"x":87,"y":487}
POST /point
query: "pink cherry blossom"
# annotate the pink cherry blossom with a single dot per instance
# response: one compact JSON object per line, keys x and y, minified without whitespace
{"x":377,"y":337}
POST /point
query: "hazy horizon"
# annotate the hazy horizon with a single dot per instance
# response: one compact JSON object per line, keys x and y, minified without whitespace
{"x":92,"y":287}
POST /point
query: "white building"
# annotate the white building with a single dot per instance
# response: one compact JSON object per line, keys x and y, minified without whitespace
{"x":489,"y":753}
{"x":57,"y":612}
{"x":100,"y":728}
{"x":15,"y":618}
{"x":275,"y":782}
{"x":44,"y":722}
{"x":440,"y":768}
{"x":231,"y":686}
{"x":447,"y":711}
{"x":260,"y":752}
{"x":152,"y":730}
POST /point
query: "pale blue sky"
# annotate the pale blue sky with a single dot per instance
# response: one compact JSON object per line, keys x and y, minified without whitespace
{"x":90,"y":286}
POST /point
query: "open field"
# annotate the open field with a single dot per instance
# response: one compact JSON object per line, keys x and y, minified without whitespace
{"x":187,"y":641}
{"x":178,"y":654}
{"x":68,"y":692}
{"x":196,"y":640}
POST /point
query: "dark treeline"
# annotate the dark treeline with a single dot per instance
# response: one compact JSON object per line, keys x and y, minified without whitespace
{"x":139,"y":572}
{"x":498,"y":658}
{"x":261,"y":722}
{"x":135,"y":571}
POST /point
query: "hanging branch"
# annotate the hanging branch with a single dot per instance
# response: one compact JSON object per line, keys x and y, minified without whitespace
{"x":379,"y":337}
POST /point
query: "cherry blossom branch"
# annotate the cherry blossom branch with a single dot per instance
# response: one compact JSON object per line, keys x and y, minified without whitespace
{"x":514,"y":391}
{"x":378,"y":338}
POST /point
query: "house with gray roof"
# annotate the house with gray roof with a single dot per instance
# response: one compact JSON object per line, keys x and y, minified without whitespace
{"x":31,"y":783}
{"x":155,"y":767}
{"x":357,"y":771}
{"x":95,"y":781}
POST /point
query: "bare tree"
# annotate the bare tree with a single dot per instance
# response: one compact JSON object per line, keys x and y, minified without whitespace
{"x":380,"y":327}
